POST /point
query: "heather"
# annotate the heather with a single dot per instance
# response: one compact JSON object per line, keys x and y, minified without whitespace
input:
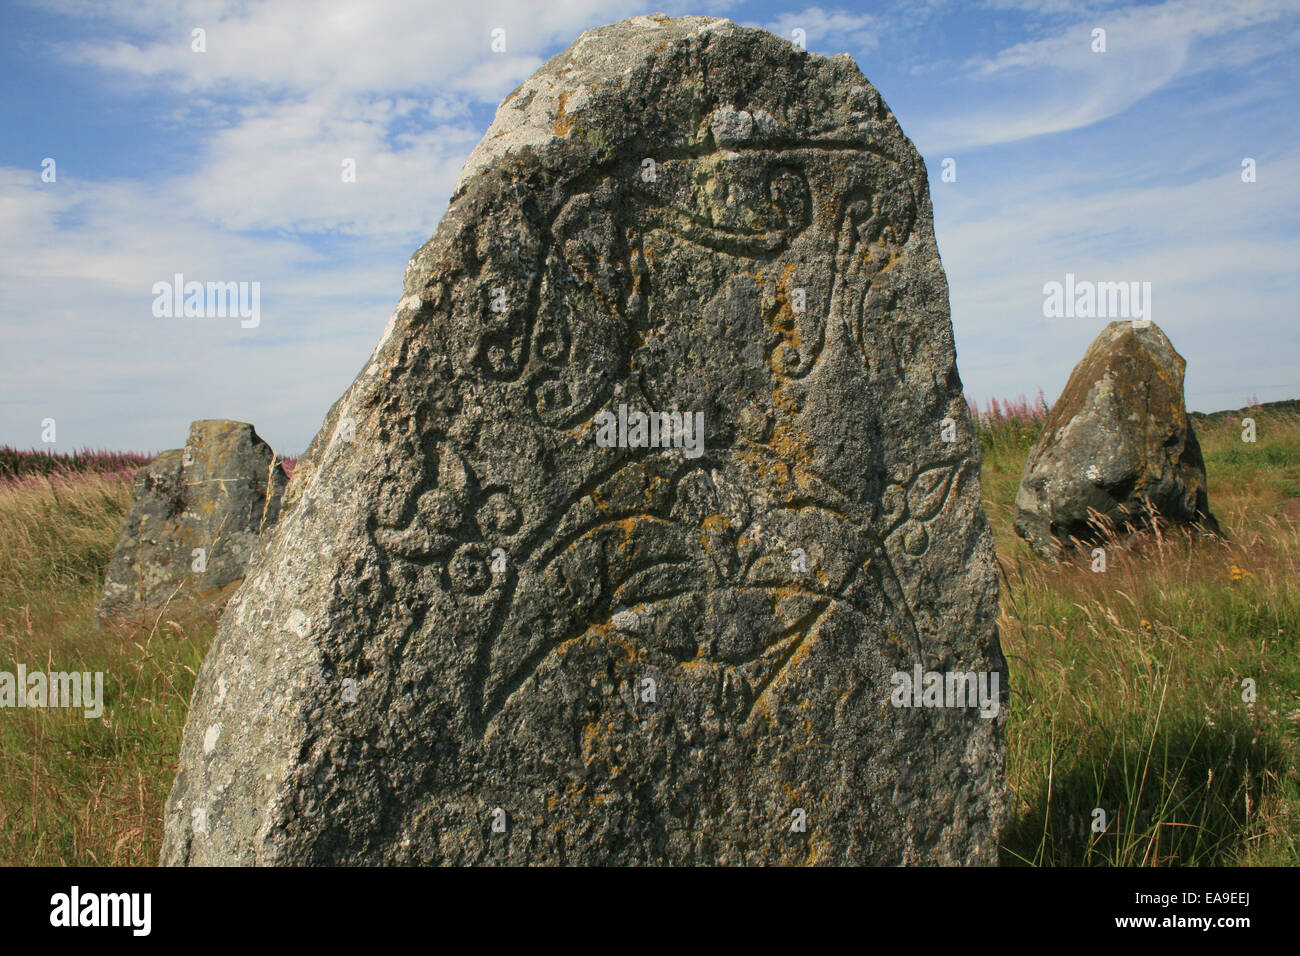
{"x":18,"y":465}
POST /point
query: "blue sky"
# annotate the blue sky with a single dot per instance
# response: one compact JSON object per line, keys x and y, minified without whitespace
{"x":225,"y":165}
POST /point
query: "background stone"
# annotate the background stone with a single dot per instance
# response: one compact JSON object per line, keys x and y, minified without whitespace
{"x":218,"y":493}
{"x":1116,"y":442}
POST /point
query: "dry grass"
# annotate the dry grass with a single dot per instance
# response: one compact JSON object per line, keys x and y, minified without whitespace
{"x":1126,"y":685}
{"x":78,"y":790}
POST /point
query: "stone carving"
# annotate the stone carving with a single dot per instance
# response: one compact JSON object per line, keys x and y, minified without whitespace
{"x":496,"y":589}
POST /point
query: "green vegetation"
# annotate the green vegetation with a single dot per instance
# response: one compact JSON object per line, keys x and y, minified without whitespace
{"x":15,"y":464}
{"x":1126,"y":686}
{"x":76,"y":790}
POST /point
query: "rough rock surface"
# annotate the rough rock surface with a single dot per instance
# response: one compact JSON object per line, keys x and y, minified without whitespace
{"x":216,"y":495}
{"x":1117,"y":443}
{"x":479,"y":635}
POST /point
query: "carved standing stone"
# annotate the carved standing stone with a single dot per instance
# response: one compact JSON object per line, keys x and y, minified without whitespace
{"x":500,"y":623}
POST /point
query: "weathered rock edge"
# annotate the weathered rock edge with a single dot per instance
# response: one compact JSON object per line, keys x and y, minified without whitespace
{"x":375,"y":694}
{"x":218,"y":495}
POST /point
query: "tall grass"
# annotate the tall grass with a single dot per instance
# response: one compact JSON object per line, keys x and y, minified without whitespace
{"x":1009,"y":427}
{"x":1128,"y":683}
{"x":1127,"y":686}
{"x":74,"y":789}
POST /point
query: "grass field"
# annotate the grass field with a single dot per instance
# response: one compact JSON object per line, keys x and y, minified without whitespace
{"x":74,"y":790}
{"x":1127,"y":685}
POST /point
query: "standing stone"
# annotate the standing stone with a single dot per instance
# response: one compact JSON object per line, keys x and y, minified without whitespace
{"x":1117,"y":443}
{"x":195,"y":517}
{"x":499,"y":623}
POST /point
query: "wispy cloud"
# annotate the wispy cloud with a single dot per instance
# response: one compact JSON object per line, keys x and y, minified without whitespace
{"x":1212,"y":248}
{"x":284,"y":94}
{"x":1175,"y":24}
{"x":1059,"y":82}
{"x":1118,"y":165}
{"x":332,"y":45}
{"x":840,"y":28}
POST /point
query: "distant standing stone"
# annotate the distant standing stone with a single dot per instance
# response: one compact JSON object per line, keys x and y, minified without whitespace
{"x":196,"y":515}
{"x":1117,"y":443}
{"x":658,"y":481}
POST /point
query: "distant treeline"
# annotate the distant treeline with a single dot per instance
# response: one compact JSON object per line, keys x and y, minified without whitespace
{"x":1288,"y":406}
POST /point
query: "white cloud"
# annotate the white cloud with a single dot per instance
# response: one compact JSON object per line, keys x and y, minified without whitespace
{"x":82,"y":344}
{"x":1057,"y":83}
{"x":333,"y":45}
{"x":839,"y":29}
{"x":285,"y":92}
{"x":1175,"y":23}
{"x":1213,"y":249}
{"x":282,"y":168}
